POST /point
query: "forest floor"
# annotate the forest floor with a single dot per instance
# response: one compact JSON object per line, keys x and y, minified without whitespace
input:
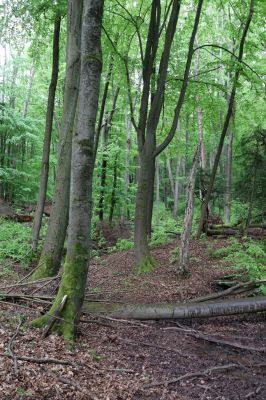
{"x":119,"y":360}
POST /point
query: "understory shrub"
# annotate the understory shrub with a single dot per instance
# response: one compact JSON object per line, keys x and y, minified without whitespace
{"x":248,"y":255}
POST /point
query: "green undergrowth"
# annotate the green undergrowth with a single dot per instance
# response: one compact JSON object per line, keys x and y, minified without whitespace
{"x":15,"y":245}
{"x":248,"y":255}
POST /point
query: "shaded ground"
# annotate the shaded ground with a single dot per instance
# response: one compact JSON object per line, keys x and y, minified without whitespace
{"x":120,"y":359}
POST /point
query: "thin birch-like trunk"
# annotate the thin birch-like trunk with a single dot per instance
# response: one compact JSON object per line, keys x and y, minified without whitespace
{"x":185,"y":237}
{"x":47,"y":137}
{"x":176,"y":191}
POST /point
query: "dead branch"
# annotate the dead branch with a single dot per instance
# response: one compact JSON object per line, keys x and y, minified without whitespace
{"x":212,"y":339}
{"x":29,"y":283}
{"x":196,"y":374}
{"x":10,"y":348}
{"x":247,"y":285}
{"x":40,"y":360}
{"x":53,"y":318}
{"x":139,"y":343}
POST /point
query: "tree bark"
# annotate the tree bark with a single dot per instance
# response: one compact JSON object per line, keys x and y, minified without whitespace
{"x":176,"y":191}
{"x":74,"y":277}
{"x":113,"y":195}
{"x":51,"y":255}
{"x":185,"y":236}
{"x":227,"y":120}
{"x":179,"y":310}
{"x":149,"y":119}
{"x":157,"y":192}
{"x":108,"y":124}
{"x":47,"y":137}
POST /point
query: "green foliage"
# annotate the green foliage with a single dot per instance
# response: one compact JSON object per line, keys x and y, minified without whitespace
{"x":124,"y":244}
{"x":162,"y":232}
{"x":249,"y":255}
{"x":15,"y":243}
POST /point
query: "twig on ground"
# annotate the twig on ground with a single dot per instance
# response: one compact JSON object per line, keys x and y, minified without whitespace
{"x":40,"y":360}
{"x":212,"y":339}
{"x":27,"y":276}
{"x":45,"y":284}
{"x":196,"y":374}
{"x":151,"y":345}
{"x":10,"y":347}
{"x":124,"y":321}
{"x":28,"y":283}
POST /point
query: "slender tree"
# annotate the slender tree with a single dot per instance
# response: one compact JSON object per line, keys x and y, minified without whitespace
{"x":227,"y":118}
{"x":47,"y":136}
{"x":187,"y":225}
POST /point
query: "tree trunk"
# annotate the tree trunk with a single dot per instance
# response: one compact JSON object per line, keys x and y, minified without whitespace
{"x":51,"y":255}
{"x":176,"y":192}
{"x":125,"y":208}
{"x":108,"y":124}
{"x":113,"y":195}
{"x":252,"y":191}
{"x":47,"y":137}
{"x":149,"y":119}
{"x":185,"y":237}
{"x":178,"y":310}
{"x":170,"y":175}
{"x":157,"y":166}
{"x":145,"y":185}
{"x":227,"y":120}
{"x":74,"y":277}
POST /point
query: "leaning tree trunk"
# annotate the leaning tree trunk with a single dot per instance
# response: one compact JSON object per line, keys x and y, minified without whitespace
{"x":74,"y":277}
{"x":47,"y":137}
{"x":185,"y":237}
{"x":51,"y":255}
{"x":227,"y":120}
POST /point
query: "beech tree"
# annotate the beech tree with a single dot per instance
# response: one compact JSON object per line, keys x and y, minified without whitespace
{"x":74,"y":277}
{"x":50,"y":260}
{"x":149,"y":114}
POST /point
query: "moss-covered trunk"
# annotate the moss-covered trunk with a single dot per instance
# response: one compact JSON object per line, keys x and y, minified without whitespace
{"x":74,"y":277}
{"x":73,"y":286}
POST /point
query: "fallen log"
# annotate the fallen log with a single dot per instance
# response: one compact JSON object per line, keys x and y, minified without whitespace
{"x":199,"y":309}
{"x":235,"y":231}
{"x":179,"y":310}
